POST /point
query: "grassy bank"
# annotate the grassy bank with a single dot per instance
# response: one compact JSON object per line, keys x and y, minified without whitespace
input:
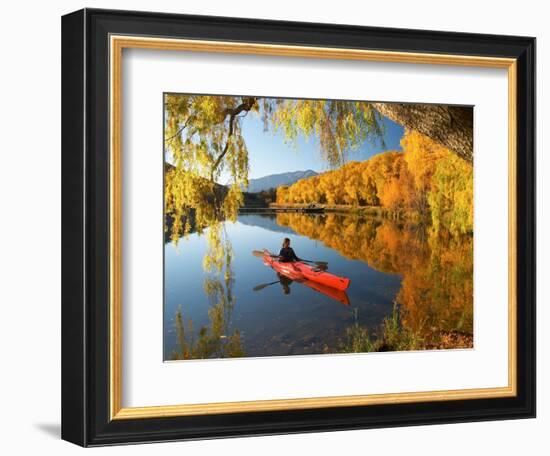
{"x":393,"y":336}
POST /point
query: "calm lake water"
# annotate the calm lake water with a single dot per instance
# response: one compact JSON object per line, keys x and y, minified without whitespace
{"x":385,"y":261}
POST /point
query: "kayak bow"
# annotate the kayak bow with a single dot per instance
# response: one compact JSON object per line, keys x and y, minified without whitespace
{"x":297,"y":270}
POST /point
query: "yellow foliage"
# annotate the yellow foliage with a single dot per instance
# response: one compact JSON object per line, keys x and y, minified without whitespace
{"x":203,"y":138}
{"x":436,"y":295}
{"x":425,"y":180}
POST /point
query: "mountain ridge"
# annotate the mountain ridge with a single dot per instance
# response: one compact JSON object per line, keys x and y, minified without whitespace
{"x":276,"y":180}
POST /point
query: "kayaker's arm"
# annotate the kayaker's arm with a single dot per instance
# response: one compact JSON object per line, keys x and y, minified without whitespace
{"x":287,"y":255}
{"x":294,"y":256}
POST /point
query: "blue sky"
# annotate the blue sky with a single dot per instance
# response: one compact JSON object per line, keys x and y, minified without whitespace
{"x":269,"y":154}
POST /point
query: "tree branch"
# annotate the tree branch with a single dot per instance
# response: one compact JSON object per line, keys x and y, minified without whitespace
{"x":450,"y":126}
{"x":246,"y":105}
{"x":180,"y":130}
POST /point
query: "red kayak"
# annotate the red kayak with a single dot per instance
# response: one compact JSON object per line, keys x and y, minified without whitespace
{"x":299,"y":270}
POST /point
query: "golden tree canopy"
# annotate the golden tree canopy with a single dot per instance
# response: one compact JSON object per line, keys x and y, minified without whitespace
{"x":204,"y":138}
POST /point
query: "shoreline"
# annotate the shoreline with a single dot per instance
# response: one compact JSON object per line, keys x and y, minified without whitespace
{"x":371,"y":211}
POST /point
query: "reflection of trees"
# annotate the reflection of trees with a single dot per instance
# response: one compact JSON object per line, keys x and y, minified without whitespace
{"x":436,"y":296}
{"x":437,"y":291}
{"x":215,"y":339}
{"x":204,"y":142}
{"x":212,"y":341}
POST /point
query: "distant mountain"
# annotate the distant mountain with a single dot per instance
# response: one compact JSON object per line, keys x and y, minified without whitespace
{"x":276,"y":180}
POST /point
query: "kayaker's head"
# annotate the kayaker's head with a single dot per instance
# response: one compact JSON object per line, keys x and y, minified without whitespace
{"x":286,"y":243}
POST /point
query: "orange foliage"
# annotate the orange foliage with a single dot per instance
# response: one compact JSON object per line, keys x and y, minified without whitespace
{"x":436,"y":295}
{"x":425,"y":180}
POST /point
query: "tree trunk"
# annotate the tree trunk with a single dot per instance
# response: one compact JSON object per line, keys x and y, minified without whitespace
{"x":450,"y":126}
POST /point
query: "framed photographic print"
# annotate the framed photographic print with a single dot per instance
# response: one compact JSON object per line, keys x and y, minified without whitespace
{"x":275,"y":227}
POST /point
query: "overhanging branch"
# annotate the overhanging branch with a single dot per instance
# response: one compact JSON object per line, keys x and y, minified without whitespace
{"x":246,"y":105}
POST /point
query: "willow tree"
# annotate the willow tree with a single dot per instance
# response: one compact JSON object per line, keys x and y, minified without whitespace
{"x":204,"y":140}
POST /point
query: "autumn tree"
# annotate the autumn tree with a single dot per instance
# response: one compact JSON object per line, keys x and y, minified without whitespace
{"x":203,"y":139}
{"x":451,"y":198}
{"x":443,"y":183}
{"x":282,"y":194}
{"x":425,"y":181}
{"x":390,"y":195}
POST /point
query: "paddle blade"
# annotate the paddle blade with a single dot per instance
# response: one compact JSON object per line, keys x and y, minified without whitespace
{"x":263,"y":285}
{"x":258,"y":253}
{"x":320,"y":264}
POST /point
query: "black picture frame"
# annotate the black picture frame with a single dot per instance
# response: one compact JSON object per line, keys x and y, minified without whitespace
{"x":85,"y":227}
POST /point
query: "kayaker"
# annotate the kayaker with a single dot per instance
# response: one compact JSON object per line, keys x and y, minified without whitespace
{"x":287,"y":253}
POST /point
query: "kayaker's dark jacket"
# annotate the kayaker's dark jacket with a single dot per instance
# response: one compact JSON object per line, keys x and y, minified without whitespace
{"x":287,"y":254}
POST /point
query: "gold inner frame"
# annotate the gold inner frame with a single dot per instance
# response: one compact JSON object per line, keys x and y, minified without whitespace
{"x":117,"y":44}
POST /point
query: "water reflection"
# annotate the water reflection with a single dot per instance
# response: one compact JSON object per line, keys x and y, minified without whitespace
{"x":436,"y":297}
{"x":412,"y":288}
{"x":286,"y":282}
{"x":214,"y":340}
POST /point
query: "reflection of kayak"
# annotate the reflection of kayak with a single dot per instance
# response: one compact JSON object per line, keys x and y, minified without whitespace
{"x":286,"y":272}
{"x":338,"y":295}
{"x":298,"y":270}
